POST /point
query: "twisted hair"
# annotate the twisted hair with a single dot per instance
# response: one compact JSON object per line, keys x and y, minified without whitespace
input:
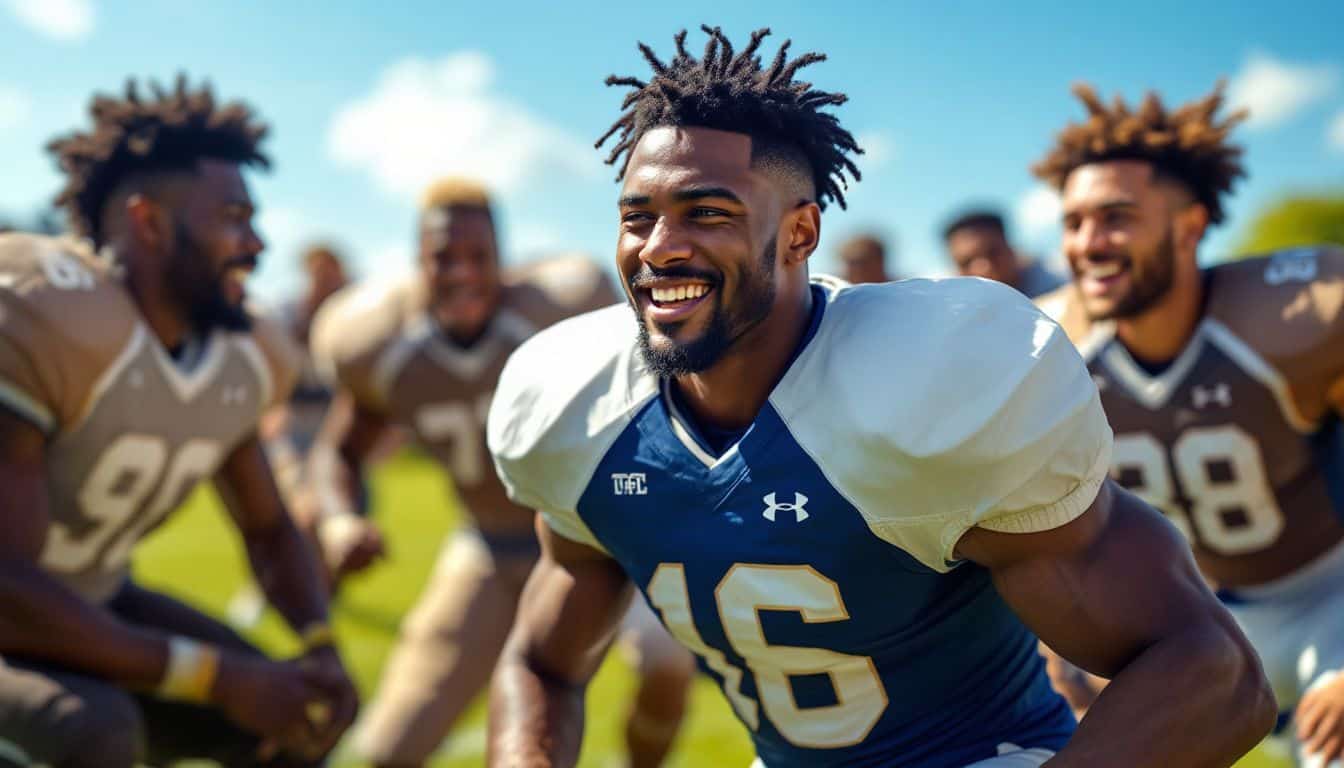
{"x":1188,"y":143}
{"x":730,"y":91}
{"x":171,"y":130}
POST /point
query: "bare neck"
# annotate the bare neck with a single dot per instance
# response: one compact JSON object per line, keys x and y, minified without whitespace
{"x":149,"y":293}
{"x":1160,"y":333}
{"x":731,"y":393}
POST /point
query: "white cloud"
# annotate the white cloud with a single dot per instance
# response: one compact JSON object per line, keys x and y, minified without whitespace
{"x":69,"y":21}
{"x":15,"y":106}
{"x":1336,"y":132}
{"x":879,"y":149}
{"x":426,"y":119}
{"x":1037,"y":212}
{"x":1275,"y":90}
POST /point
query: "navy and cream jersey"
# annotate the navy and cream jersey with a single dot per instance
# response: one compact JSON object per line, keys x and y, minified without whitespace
{"x":811,"y":567}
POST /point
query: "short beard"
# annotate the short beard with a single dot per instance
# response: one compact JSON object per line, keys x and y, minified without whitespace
{"x":756,"y":299}
{"x":199,"y":291}
{"x":1151,"y":288}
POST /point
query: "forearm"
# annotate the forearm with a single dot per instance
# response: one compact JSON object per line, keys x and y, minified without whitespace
{"x":42,"y":619}
{"x":286,"y":568}
{"x":1196,"y":700}
{"x":337,"y":477}
{"x":536,"y":721}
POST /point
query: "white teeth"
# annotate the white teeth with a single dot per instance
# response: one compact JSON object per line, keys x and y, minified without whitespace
{"x":239,"y":274}
{"x":1106,"y":270}
{"x":679,"y":293}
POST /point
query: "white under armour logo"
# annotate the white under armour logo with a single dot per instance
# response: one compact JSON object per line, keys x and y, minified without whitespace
{"x":1297,"y":266}
{"x":1220,"y":393}
{"x":797,"y":508}
{"x":234,"y":395}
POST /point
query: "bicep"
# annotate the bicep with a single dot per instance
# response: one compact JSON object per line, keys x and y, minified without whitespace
{"x":1103,"y":588}
{"x":572,"y":604}
{"x":23,"y":502}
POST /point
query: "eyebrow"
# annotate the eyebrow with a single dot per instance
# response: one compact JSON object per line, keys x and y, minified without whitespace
{"x":1107,"y":205}
{"x":685,"y":195}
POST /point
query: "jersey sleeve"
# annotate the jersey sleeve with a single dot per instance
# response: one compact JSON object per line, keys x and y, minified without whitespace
{"x":563,"y":399}
{"x":980,"y":412}
{"x":61,"y":325}
{"x":349,"y":335}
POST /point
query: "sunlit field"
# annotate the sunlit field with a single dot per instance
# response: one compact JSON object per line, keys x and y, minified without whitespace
{"x":197,"y":556}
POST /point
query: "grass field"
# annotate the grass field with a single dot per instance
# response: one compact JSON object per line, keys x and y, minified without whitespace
{"x":197,"y":556}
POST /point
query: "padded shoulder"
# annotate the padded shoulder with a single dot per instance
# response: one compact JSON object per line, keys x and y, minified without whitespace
{"x":563,"y":399}
{"x":355,"y":327}
{"x":1287,"y":310}
{"x":550,"y":290}
{"x":64,"y":319}
{"x":280,"y":358}
{"x":947,"y":404}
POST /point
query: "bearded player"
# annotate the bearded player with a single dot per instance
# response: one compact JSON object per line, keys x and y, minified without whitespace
{"x":1224,"y":385}
{"x":855,"y":504}
{"x":425,"y":354}
{"x":126,"y":376}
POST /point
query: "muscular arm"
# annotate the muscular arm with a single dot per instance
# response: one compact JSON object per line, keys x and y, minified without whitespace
{"x":1116,"y":592}
{"x":282,"y":561}
{"x":350,"y":433}
{"x":569,"y":612}
{"x":39,"y":616}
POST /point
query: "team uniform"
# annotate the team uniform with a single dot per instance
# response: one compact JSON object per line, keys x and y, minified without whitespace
{"x":811,"y":566}
{"x":1238,"y":442}
{"x":130,"y":430}
{"x":381,"y":344}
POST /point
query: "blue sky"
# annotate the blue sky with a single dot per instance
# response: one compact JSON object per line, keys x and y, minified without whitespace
{"x":953,"y":100}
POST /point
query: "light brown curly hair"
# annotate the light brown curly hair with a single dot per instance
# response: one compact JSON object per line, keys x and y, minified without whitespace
{"x":1188,"y":144}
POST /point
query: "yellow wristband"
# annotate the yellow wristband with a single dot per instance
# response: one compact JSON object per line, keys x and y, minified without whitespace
{"x":316,"y":635}
{"x":191,"y":671}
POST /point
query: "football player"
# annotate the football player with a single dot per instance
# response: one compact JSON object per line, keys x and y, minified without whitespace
{"x":855,"y":504}
{"x":425,"y":354}
{"x":127,"y":376}
{"x":1224,"y":385}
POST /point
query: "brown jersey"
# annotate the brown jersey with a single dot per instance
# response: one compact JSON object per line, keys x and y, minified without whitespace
{"x":130,"y":430}
{"x":1237,"y":440}
{"x":381,"y":345}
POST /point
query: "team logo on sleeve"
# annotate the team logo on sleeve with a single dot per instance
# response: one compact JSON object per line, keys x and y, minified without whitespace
{"x":1296,"y":266}
{"x":629,"y":484}
{"x":797,"y":507}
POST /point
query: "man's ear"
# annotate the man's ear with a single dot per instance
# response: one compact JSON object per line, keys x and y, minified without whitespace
{"x":1191,"y":223}
{"x":147,"y":222}
{"x":802,"y":227}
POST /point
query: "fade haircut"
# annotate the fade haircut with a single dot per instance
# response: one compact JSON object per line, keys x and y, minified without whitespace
{"x":171,"y":131}
{"x":732,"y":92}
{"x":980,"y":217}
{"x":1188,"y":144}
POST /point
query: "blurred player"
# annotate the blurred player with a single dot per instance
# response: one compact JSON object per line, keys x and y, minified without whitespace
{"x":1224,"y":385}
{"x":852,"y":528}
{"x":126,"y":377}
{"x":863,"y":259}
{"x":426,"y":353}
{"x":977,"y":244}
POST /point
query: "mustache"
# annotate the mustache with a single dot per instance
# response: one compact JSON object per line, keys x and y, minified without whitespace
{"x":647,"y":276}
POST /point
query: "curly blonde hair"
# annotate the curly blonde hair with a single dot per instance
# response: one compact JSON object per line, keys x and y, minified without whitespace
{"x":1188,"y":143}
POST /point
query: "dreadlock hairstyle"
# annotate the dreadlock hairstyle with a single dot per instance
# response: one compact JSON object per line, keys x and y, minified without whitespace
{"x":731,"y":92}
{"x":170,"y":131}
{"x":1188,"y":144}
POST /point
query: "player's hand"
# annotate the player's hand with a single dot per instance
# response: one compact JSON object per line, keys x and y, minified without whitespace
{"x":324,"y":669}
{"x":1320,"y":721}
{"x":349,"y":543}
{"x":270,"y":699}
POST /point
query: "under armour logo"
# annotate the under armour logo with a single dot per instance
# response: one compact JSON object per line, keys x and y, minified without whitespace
{"x":1298,"y":266}
{"x":234,"y":395}
{"x":1220,"y":394}
{"x":797,"y":508}
{"x":629,"y":484}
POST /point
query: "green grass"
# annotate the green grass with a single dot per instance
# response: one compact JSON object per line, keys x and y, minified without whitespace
{"x":197,"y":556}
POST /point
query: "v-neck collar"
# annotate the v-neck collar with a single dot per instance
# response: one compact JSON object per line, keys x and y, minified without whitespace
{"x":1154,"y":391}
{"x":187,"y":383}
{"x":683,"y":428}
